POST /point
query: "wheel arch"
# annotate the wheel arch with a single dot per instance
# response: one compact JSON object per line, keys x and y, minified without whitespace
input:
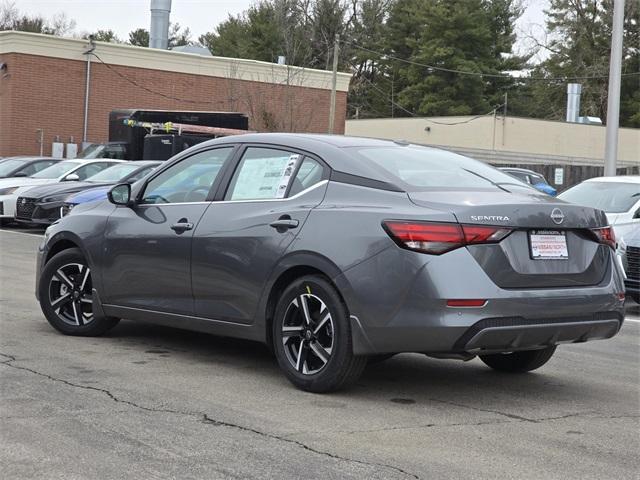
{"x":291,"y":268}
{"x":64,"y":241}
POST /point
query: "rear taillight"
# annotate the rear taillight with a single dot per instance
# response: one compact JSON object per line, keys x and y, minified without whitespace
{"x":437,"y":238}
{"x":605,"y":236}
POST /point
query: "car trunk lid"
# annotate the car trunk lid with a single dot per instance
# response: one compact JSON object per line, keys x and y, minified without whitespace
{"x":537,"y":222}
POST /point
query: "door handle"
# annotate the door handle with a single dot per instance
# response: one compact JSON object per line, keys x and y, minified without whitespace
{"x":182,"y":226}
{"x":284,"y":223}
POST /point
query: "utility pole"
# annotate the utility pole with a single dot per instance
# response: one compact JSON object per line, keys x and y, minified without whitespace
{"x":615,"y":77}
{"x":91,"y":47}
{"x":334,"y":81}
{"x":393,"y":77}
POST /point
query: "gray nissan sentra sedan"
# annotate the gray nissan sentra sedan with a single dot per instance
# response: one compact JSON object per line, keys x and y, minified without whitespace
{"x":336,"y":251}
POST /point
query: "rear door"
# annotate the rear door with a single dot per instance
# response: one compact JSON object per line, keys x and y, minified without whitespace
{"x":242,"y":237}
{"x":147,"y":248}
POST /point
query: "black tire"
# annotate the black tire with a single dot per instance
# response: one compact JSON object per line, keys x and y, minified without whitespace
{"x":373,"y":359}
{"x":66,"y":299}
{"x":518,"y":362}
{"x":335,"y":367}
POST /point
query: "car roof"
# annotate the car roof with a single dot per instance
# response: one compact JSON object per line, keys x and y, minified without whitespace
{"x":333,"y":149}
{"x":28,"y":158}
{"x":619,"y":179}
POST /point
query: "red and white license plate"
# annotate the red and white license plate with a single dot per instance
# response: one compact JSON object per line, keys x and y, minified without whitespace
{"x":548,"y":245}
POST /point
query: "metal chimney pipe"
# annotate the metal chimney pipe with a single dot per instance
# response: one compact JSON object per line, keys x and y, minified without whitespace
{"x":159,"y":32}
{"x":574,"y":90}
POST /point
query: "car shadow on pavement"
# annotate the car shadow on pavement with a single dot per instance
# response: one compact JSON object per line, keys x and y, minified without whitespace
{"x":407,"y":379}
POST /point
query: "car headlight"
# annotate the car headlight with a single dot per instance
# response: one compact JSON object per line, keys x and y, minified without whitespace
{"x":66,"y":208}
{"x":8,"y":191}
{"x":54,"y":198}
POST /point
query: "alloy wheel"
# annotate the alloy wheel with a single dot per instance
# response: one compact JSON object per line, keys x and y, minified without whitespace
{"x":308,"y":334}
{"x":70,"y":294}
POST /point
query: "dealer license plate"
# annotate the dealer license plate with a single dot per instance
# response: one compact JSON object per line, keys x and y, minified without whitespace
{"x":548,"y":245}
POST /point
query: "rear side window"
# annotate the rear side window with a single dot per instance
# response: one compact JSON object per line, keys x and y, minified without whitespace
{"x":309,"y":173}
{"x":423,"y":168}
{"x":263,"y":173}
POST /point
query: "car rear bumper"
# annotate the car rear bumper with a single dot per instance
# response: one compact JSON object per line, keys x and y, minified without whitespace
{"x":409,"y":313}
{"x":7,"y":206}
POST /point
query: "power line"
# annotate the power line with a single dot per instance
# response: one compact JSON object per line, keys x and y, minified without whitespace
{"x":413,"y":114}
{"x":488,"y":75}
{"x":155,"y":92}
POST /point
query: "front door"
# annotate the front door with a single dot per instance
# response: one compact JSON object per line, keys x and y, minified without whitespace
{"x":240,"y":239}
{"x":147,"y":252}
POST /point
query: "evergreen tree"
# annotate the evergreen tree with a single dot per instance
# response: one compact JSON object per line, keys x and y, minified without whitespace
{"x":580,"y":46}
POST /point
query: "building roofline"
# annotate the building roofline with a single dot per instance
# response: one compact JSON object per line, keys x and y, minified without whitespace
{"x":167,"y":60}
{"x":488,"y":116}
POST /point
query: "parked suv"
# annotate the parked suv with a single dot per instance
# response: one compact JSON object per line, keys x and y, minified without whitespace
{"x":333,"y":250}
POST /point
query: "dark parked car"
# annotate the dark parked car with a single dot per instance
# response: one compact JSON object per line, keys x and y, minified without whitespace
{"x":42,"y":205}
{"x":532,"y":178}
{"x":631,"y":262}
{"x":24,"y":166}
{"x":333,"y":250}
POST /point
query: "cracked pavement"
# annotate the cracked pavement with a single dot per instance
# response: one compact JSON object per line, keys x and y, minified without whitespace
{"x":157,"y":403}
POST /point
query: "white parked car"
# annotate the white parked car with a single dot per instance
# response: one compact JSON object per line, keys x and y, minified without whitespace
{"x":618,"y":197}
{"x":65,"y":171}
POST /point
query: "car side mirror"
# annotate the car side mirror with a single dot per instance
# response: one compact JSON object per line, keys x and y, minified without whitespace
{"x":120,"y":194}
{"x":21,"y":174}
{"x":72,"y":177}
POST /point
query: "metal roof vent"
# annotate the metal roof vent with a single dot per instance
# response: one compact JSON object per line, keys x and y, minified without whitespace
{"x":159,"y":32}
{"x":574,"y":90}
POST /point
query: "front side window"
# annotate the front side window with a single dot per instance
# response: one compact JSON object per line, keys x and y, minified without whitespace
{"x":188,"y":181}
{"x":263,"y":173}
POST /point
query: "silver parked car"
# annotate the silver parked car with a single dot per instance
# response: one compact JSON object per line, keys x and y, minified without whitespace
{"x":336,"y":250}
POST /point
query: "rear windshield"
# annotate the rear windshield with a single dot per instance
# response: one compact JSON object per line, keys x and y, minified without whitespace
{"x":612,"y":197}
{"x":55,"y":171}
{"x":9,"y":166}
{"x":424,"y":168}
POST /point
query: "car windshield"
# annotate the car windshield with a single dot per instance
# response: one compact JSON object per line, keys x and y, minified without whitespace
{"x":9,"y":166}
{"x":113,"y":174}
{"x":55,"y":171}
{"x":422,"y":167}
{"x":612,"y":197}
{"x":92,"y":151}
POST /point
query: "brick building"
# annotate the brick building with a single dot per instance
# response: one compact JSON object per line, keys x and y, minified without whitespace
{"x":43,"y":82}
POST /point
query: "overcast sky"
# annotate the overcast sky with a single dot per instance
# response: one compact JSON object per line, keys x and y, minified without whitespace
{"x":200,"y":16}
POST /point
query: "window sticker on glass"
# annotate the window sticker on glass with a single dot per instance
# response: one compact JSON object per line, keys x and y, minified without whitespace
{"x":287,"y":172}
{"x":263,"y":174}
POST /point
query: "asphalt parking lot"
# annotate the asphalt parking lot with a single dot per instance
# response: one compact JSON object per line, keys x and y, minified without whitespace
{"x":151,"y":402}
